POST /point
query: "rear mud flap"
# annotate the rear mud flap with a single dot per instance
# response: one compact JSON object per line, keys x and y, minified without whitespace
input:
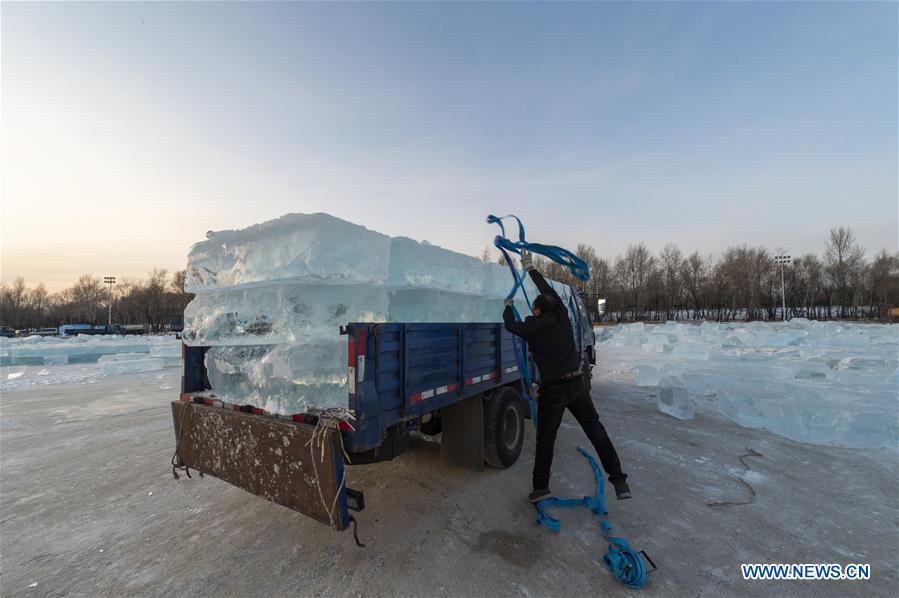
{"x":273,"y":458}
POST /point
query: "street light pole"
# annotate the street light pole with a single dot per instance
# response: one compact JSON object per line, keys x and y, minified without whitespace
{"x":110,"y":280}
{"x":783,"y":260}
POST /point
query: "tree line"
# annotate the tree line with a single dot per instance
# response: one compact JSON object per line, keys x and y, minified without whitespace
{"x":743,"y":283}
{"x":157,"y":302}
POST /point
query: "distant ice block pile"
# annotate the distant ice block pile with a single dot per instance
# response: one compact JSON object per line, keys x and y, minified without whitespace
{"x":54,"y":350}
{"x":40,"y":361}
{"x":832,"y":383}
{"x":270,"y":299}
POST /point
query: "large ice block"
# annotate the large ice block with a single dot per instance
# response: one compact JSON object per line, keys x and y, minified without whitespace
{"x":129,"y":363}
{"x":286,"y":378}
{"x":425,"y":266}
{"x":311,"y":247}
{"x":280,"y":313}
{"x":646,"y":375}
{"x":674,"y":400}
{"x":270,"y":300}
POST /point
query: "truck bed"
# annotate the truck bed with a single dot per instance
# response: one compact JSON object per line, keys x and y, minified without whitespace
{"x":397,"y":373}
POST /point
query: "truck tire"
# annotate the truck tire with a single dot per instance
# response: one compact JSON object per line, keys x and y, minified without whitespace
{"x":503,"y":428}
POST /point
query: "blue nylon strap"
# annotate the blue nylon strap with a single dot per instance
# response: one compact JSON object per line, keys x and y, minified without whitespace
{"x":621,"y":560}
{"x":578,"y":267}
{"x":561,"y":256}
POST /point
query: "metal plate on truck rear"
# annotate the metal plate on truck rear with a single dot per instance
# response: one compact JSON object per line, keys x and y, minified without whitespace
{"x":290,"y":463}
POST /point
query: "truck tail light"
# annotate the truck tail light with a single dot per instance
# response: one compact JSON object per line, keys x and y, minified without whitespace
{"x":360,"y":343}
{"x":351,"y":352}
{"x":356,"y":359}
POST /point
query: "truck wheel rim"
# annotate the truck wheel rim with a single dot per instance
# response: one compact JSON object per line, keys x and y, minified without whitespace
{"x":510,"y":427}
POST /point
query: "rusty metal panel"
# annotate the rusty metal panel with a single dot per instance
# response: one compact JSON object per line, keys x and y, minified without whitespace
{"x":272,"y":458}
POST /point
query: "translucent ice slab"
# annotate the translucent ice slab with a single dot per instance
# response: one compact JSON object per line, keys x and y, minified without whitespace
{"x":271,"y":298}
{"x":674,"y":400}
{"x":314,"y":247}
{"x":280,"y":313}
{"x":286,"y":378}
{"x":129,"y":363}
{"x":646,"y":375}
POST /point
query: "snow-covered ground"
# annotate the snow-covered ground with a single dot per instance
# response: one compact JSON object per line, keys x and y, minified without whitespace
{"x":40,"y":361}
{"x":830,"y":383}
{"x":90,"y":508}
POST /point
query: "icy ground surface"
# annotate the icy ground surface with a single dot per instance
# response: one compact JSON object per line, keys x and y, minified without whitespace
{"x":42,"y":361}
{"x":270,"y":300}
{"x":89,"y":508}
{"x":831,"y":383}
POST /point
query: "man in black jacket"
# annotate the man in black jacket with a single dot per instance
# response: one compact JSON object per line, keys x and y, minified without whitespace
{"x":551,"y":340}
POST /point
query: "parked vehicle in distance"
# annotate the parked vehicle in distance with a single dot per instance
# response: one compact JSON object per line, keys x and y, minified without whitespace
{"x":7,"y":332}
{"x":73,"y":329}
{"x":86,"y":329}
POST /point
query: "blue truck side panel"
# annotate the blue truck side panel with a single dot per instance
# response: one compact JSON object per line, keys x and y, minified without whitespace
{"x":403,"y":371}
{"x":413,"y":369}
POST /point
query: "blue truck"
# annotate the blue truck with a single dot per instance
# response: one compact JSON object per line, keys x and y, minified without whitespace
{"x":461,"y":381}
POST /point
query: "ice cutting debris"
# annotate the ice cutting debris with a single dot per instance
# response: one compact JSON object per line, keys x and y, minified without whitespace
{"x":818,"y":382}
{"x":271,"y":298}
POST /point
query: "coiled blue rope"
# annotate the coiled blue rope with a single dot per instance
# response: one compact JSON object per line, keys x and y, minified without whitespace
{"x":623,"y":562}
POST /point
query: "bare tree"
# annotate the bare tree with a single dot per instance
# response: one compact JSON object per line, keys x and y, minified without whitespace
{"x":671,"y":282}
{"x":843,"y":258}
{"x":633,"y":272}
{"x":883,"y":281}
{"x":87,"y":298}
{"x":695,"y":276}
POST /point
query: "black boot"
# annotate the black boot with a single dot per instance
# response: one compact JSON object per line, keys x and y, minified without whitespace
{"x":540,"y":494}
{"x":622,"y":490}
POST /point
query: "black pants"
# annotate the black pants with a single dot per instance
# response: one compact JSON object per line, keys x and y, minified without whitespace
{"x":554,"y":398}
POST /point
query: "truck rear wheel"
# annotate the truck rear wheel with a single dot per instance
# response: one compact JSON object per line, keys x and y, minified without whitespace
{"x":503,"y":427}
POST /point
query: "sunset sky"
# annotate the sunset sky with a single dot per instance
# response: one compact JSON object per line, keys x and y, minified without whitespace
{"x":128,"y":130}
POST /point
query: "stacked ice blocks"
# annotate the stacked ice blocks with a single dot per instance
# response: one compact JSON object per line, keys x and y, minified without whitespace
{"x":270,"y":300}
{"x":831,"y":383}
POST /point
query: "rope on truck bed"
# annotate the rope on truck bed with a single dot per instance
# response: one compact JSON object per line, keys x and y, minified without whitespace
{"x":331,"y":418}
